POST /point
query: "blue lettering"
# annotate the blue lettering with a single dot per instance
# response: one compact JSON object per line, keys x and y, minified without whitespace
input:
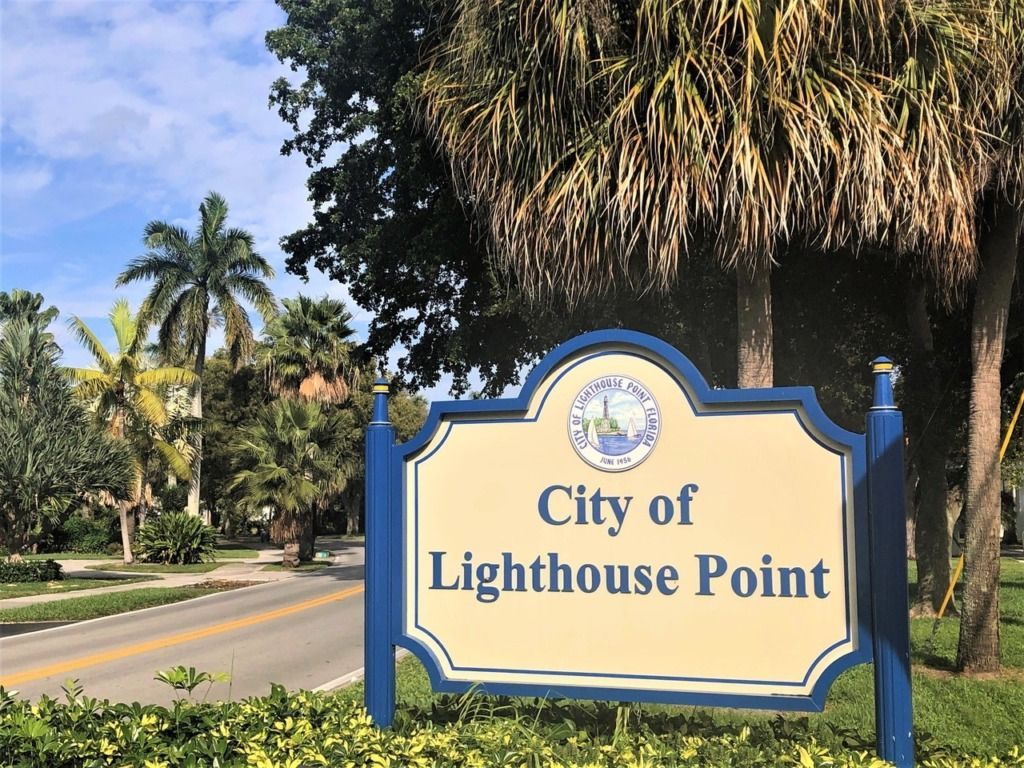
{"x":737,"y":581}
{"x":435,"y":582}
{"x":706,"y":574}
{"x":642,"y":574}
{"x":485,"y":574}
{"x":666,"y":574}
{"x":685,"y":497}
{"x":542,"y":504}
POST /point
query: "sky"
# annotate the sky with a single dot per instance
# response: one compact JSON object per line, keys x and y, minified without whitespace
{"x":114,"y":114}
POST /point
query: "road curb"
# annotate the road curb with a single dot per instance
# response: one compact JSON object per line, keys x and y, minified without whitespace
{"x":352,"y":677}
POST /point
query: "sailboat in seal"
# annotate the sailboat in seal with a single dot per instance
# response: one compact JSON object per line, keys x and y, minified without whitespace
{"x":631,"y":433}
{"x":592,"y":434}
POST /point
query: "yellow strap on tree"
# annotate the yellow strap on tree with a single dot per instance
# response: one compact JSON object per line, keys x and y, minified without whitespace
{"x":960,"y":563}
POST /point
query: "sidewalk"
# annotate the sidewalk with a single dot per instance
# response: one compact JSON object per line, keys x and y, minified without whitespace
{"x":249,"y":570}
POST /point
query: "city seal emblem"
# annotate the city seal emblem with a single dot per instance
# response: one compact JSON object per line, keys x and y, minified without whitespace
{"x":614,"y":423}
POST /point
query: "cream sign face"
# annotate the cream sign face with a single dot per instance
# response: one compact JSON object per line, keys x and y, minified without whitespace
{"x":623,"y":531}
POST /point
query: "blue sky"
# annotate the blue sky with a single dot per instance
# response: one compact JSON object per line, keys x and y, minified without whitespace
{"x":118,"y":113}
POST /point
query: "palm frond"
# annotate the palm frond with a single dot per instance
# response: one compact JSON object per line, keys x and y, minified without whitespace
{"x":600,"y":144}
{"x":92,"y":344}
{"x":150,"y":407}
{"x":175,"y":460}
{"x":165,"y":376}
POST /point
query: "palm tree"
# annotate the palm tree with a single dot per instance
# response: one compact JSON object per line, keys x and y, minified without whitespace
{"x":128,"y":397}
{"x":1001,"y":247}
{"x":308,"y":352}
{"x":287,"y":461}
{"x":601,"y":143}
{"x":197,"y":284}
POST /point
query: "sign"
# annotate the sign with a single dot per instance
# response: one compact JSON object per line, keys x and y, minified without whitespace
{"x":622,"y":531}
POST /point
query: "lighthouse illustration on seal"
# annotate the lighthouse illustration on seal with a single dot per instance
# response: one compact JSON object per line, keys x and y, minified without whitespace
{"x":614,"y":417}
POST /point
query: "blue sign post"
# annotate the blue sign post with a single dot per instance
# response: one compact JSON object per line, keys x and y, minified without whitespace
{"x":894,"y":721}
{"x":379,"y":644}
{"x":619,"y":499}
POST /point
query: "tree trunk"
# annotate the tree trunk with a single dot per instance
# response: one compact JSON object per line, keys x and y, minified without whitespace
{"x":117,"y":427}
{"x":754,"y":327}
{"x":307,"y":534}
{"x":930,"y":443}
{"x":197,"y":412}
{"x":124,"y":510}
{"x":353,"y":500}
{"x":910,"y":481}
{"x":291,"y":532}
{"x":978,"y":649}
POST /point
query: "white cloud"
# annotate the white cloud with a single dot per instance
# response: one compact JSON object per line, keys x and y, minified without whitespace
{"x":169,"y":99}
{"x":128,"y":105}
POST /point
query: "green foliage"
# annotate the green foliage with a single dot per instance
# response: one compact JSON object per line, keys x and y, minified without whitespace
{"x":407,"y":413}
{"x":50,"y":452}
{"x":285,"y":456}
{"x":232,"y":398}
{"x":19,"y":305}
{"x":175,"y":538}
{"x":81,"y":534}
{"x":310,"y":729}
{"x":186,"y":680}
{"x":308,"y":350}
{"x":385,"y":220}
{"x":13,"y":572}
{"x":198,"y":280}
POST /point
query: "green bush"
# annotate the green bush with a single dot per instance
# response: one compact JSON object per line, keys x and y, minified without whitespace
{"x":175,"y":537}
{"x":79,"y":534}
{"x":29,"y":570}
{"x":315,"y":729}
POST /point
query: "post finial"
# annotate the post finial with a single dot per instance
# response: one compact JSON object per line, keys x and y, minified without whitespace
{"x":882,"y":368}
{"x":380,"y":401}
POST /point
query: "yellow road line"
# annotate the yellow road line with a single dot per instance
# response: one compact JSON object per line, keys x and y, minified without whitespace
{"x":61,"y":667}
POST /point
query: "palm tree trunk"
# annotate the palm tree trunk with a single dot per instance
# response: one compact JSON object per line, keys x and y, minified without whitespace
{"x":930,"y":440}
{"x":307,"y":534}
{"x":197,"y":412}
{"x":117,"y":426}
{"x":291,"y":532}
{"x":978,"y":649}
{"x":754,"y":327}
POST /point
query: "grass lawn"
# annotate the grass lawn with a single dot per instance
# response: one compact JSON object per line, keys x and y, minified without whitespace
{"x":303,"y":567}
{"x":156,"y":567}
{"x":951,"y":712}
{"x":94,"y":606}
{"x":235,"y":553}
{"x":70,"y":556}
{"x":24,"y":589}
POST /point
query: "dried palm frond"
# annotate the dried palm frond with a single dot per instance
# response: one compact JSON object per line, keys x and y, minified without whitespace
{"x":599,"y":143}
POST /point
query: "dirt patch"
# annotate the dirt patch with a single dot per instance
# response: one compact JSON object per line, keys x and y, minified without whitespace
{"x":1006,"y":673}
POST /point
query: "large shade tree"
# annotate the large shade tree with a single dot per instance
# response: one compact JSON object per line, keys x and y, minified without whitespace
{"x":128,"y":396}
{"x":198,"y":281}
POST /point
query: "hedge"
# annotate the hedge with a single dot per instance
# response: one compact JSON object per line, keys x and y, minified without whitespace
{"x":14,"y":571}
{"x":316,"y":729}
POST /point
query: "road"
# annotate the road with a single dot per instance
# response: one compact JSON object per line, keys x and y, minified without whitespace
{"x":302,"y":633}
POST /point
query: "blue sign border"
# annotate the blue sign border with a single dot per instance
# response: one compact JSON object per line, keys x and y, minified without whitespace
{"x":705,"y":402}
